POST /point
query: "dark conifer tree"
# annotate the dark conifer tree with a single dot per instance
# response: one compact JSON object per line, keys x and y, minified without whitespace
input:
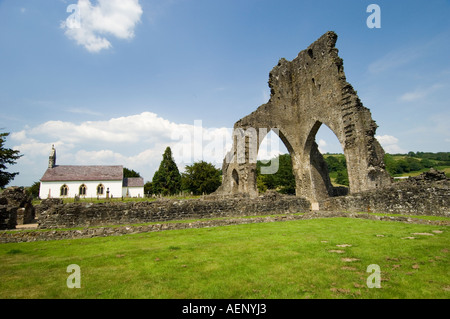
{"x":7,"y":157}
{"x":167,"y":179}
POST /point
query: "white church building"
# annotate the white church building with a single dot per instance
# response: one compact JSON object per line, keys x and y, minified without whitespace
{"x":95,"y":181}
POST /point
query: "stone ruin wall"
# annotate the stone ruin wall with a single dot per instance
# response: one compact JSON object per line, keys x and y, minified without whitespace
{"x":427,"y":194}
{"x":15,"y":208}
{"x":416,"y":196}
{"x":55,"y":214}
{"x":431,"y":200}
{"x":307,"y":92}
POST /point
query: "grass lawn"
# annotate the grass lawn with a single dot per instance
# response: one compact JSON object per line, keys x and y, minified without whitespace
{"x":295,"y":259}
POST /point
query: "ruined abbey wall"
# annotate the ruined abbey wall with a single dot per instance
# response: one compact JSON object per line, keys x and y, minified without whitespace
{"x":15,"y":208}
{"x":427,"y":194}
{"x":307,"y":92}
{"x":58,"y":215}
{"x":404,"y":198}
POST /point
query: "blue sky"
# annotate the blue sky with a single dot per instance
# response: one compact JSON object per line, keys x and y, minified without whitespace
{"x":137,"y":74}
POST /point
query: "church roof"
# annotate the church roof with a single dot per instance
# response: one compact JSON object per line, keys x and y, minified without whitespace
{"x":83,"y":173}
{"x":133,"y":182}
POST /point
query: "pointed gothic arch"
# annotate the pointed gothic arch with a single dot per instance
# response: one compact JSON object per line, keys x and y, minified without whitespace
{"x":307,"y":92}
{"x":64,"y":191}
{"x":100,"y":189}
{"x":82,"y":190}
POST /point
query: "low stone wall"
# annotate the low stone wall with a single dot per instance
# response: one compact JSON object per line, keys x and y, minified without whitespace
{"x":58,"y":215}
{"x":427,"y":194}
{"x":409,"y":197}
{"x":16,"y":236}
{"x":8,"y":217}
{"x":15,"y":208}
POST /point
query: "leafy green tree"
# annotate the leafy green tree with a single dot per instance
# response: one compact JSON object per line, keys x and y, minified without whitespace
{"x":130,"y":173}
{"x":7,"y":157}
{"x":404,"y":166}
{"x":201,"y":177}
{"x":266,"y":181}
{"x":401,"y":164}
{"x":34,"y":189}
{"x":167,"y":179}
{"x":262,"y":187}
{"x":427,"y":163}
{"x":283,"y":180}
{"x":342,"y":178}
{"x":392,"y":165}
{"x":148,"y":188}
{"x":336,"y":163}
{"x":414,"y":164}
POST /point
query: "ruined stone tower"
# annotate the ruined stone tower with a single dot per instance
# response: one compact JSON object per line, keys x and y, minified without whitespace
{"x":307,"y":92}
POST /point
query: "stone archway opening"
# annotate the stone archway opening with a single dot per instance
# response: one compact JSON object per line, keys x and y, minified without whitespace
{"x":235,"y":180}
{"x":328,"y":162}
{"x":274,"y":165}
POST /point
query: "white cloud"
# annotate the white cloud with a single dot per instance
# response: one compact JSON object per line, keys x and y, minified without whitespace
{"x":101,"y":157}
{"x":322,"y":145}
{"x":390,"y":144}
{"x":394,"y":59}
{"x":19,"y":136}
{"x":91,"y":25}
{"x":136,"y":141}
{"x":387,"y":140}
{"x":420,"y":93}
{"x":32,"y":148}
{"x":271,"y":146}
{"x":129,"y":129}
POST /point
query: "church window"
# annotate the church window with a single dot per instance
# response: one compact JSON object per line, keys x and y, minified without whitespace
{"x":83,"y":190}
{"x":64,"y":190}
{"x":100,"y":189}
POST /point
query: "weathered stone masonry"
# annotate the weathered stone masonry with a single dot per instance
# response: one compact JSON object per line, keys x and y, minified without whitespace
{"x":426,"y":194}
{"x":307,"y":92}
{"x":60,"y":215}
{"x":15,"y":208}
{"x":417,"y":196}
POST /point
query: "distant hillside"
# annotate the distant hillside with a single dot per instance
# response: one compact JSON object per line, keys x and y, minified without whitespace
{"x":397,"y":165}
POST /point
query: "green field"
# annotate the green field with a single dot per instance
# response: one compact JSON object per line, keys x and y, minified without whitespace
{"x":292,"y":260}
{"x":398,"y":165}
{"x":445,"y":169}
